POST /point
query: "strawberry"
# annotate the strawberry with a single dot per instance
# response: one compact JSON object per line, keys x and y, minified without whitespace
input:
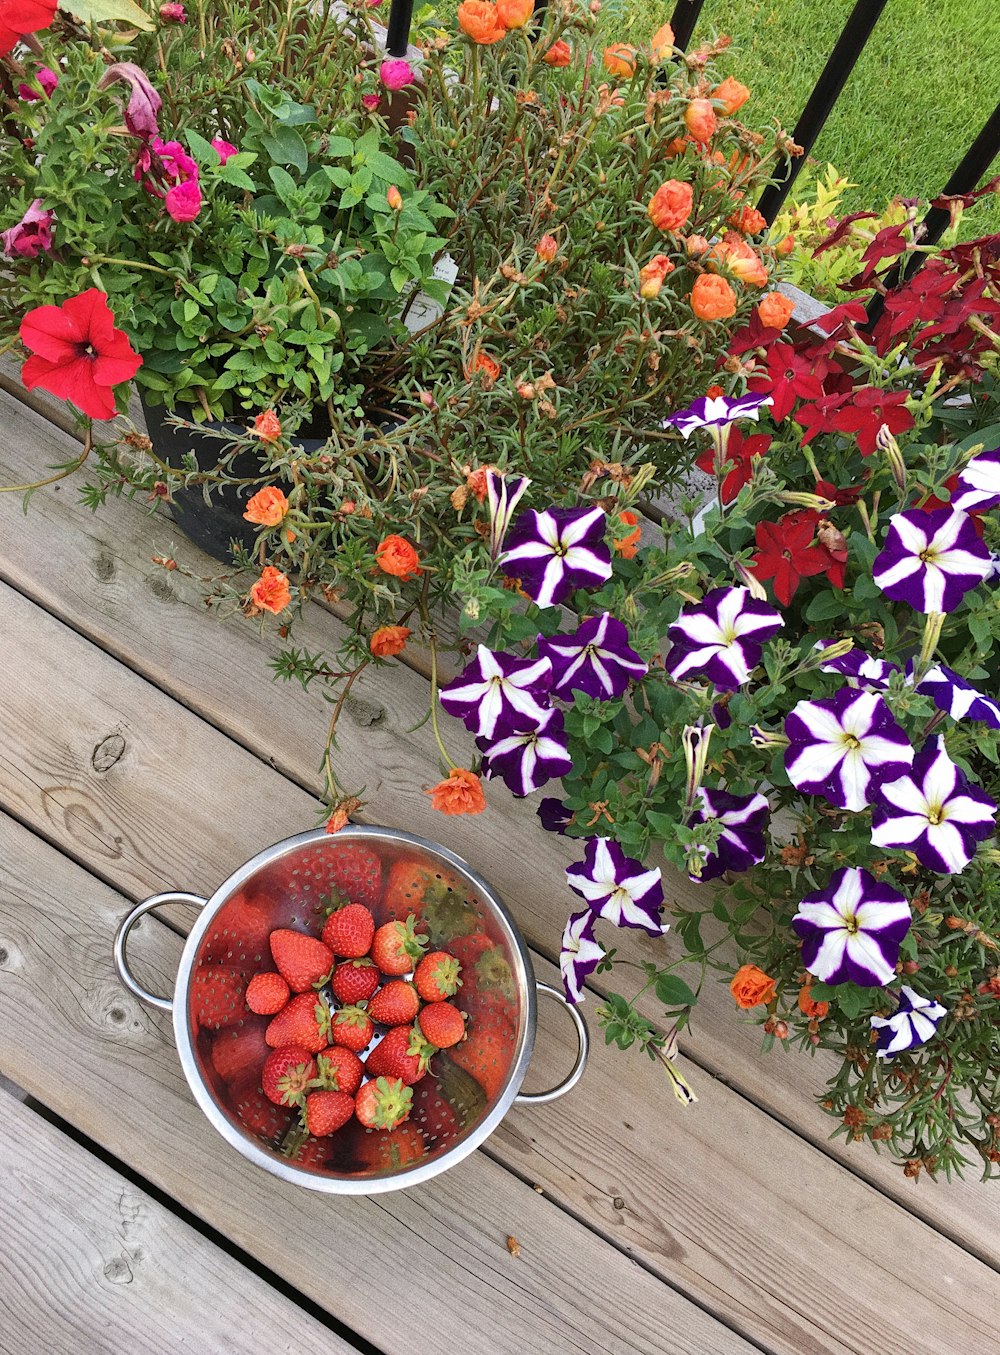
{"x":467,"y":950}
{"x":395,"y":1004}
{"x":326,"y":1112}
{"x":312,"y":1153}
{"x":397,"y":947}
{"x":388,"y":1151}
{"x":441,"y":1024}
{"x":349,"y":930}
{"x":403,"y":1053}
{"x":302,"y":960}
{"x":217,"y":996}
{"x":433,"y":1113}
{"x":351,"y":1028}
{"x":267,"y":994}
{"x":354,"y":870}
{"x":354,"y":981}
{"x":260,"y":1115}
{"x":239,"y":932}
{"x":383,"y":1104}
{"x":435,"y":895}
{"x":287,"y":1074}
{"x":340,"y":1069}
{"x":304,"y":1022}
{"x":236,"y":1052}
{"x":437,"y":976}
{"x":485,"y":1053}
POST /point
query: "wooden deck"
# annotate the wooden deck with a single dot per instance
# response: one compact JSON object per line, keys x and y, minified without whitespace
{"x":144,"y":746}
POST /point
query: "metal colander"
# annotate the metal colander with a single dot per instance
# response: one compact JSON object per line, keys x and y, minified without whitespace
{"x":468,"y":1089}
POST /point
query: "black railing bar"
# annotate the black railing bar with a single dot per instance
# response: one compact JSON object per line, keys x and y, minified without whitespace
{"x":826,"y":91}
{"x":397,"y":32}
{"x":683,"y":20}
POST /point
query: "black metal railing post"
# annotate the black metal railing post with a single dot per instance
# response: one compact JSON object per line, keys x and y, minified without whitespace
{"x":397,"y":32}
{"x":840,"y":63}
{"x":683,"y":20}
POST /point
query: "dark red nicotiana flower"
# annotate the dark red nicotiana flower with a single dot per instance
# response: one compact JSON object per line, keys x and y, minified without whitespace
{"x":867,"y":410}
{"x":741,"y":450}
{"x":20,"y":17}
{"x":78,"y":353}
{"x":786,"y":554}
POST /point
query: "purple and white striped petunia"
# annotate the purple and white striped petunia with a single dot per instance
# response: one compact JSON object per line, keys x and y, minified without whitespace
{"x":716,"y":412}
{"x":503,"y":496}
{"x":844,"y":746}
{"x":958,"y":698}
{"x":913,"y":1023}
{"x":557,"y":551}
{"x":553,"y":814}
{"x":978,"y":487}
{"x":741,"y":844}
{"x":859,"y":667}
{"x":526,"y":757}
{"x":934,"y":812}
{"x":721,"y":637}
{"x":617,"y":887}
{"x":595,"y":660}
{"x":851,"y":930}
{"x":496,"y":690}
{"x":931,"y":560}
{"x":580,"y":954}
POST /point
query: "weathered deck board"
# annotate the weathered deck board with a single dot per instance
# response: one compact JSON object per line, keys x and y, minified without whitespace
{"x":182,"y":792}
{"x":96,"y":573}
{"x":58,"y":987}
{"x":91,"y":1265}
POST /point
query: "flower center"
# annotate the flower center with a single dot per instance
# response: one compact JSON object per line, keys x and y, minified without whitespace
{"x":851,"y":741}
{"x":729,"y":635}
{"x":86,"y":350}
{"x":928,"y":556}
{"x":936,"y":814}
{"x":851,"y":925}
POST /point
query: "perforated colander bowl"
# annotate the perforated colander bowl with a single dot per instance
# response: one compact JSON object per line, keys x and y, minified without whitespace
{"x":467,"y":1091}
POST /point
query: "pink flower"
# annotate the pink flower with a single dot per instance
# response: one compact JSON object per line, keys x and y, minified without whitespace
{"x":395,"y":73}
{"x":173,"y":14}
{"x":371,"y":101}
{"x":31,"y":235}
{"x":177,"y":165}
{"x":183,"y":201}
{"x":143,"y":103}
{"x":45,"y":77}
{"x":223,"y":149}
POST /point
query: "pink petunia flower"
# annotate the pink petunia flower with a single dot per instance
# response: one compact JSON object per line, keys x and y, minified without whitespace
{"x":31,"y":235}
{"x":44,"y":76}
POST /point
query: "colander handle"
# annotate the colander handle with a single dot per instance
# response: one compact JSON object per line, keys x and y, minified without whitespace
{"x":165,"y":1004}
{"x":576,"y":1072}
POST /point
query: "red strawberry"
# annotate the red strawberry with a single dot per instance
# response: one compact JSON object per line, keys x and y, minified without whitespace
{"x":486,"y":1054}
{"x":388,"y":1151}
{"x":354,"y":870}
{"x":396,"y":947}
{"x":354,"y":981}
{"x":304,"y":1022}
{"x":239,"y":932}
{"x":435,"y":895}
{"x":441,"y":1024}
{"x":437,"y":976}
{"x":349,"y":930}
{"x":302,"y":960}
{"x":326,"y":1112}
{"x":404,"y":1053}
{"x":383,"y":1104}
{"x":237,"y":1052}
{"x":261,"y":1116}
{"x":267,"y":994}
{"x":468,"y":949}
{"x":434,"y":1113}
{"x":217,"y":996}
{"x":340,"y":1069}
{"x":395,"y":1004}
{"x":352,"y":1028}
{"x":287,"y":1074}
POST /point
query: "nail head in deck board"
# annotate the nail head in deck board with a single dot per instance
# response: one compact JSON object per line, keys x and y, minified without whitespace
{"x":220,"y":669}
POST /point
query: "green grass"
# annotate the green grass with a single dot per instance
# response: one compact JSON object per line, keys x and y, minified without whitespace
{"x":920,"y":92}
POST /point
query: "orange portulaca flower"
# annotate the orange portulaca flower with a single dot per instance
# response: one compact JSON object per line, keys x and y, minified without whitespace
{"x":547,"y":248}
{"x":751,"y":987}
{"x":479,"y":20}
{"x":652,"y":275}
{"x":267,"y":426}
{"x":662,"y":43}
{"x":712,"y":298}
{"x":700,"y":119}
{"x":733,"y":253}
{"x":271,"y":592}
{"x":515,"y":13}
{"x":397,"y":557}
{"x":748,"y":221}
{"x":619,"y":60}
{"x":731,"y":94}
{"x":460,"y":793}
{"x":389,"y":640}
{"x":489,"y":367}
{"x":559,"y":54}
{"x":775,"y":310}
{"x":627,"y":545}
{"x":670,"y":205}
{"x":267,"y":507}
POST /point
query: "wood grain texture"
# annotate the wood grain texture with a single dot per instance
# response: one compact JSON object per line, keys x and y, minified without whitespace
{"x":91,"y":1265}
{"x":96,"y":572}
{"x":57,"y":986}
{"x":694,"y":1213}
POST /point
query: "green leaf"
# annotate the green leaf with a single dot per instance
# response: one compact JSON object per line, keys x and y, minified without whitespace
{"x":674,"y":992}
{"x":110,"y":11}
{"x":286,"y":147}
{"x":237,"y":178}
{"x":339,"y":146}
{"x":849,"y":998}
{"x":203,"y":151}
{"x":284,"y":185}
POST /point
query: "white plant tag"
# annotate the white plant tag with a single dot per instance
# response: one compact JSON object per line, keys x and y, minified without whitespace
{"x":422,"y":310}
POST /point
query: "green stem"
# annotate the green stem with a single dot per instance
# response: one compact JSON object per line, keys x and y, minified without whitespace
{"x":434,"y":704}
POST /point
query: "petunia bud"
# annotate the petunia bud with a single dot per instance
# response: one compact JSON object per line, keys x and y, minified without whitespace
{"x":802,"y":499}
{"x":46,"y":77}
{"x":395,"y":198}
{"x":31,"y":236}
{"x":887,"y":444}
{"x":695,"y":740}
{"x":750,"y":580}
{"x":547,"y":248}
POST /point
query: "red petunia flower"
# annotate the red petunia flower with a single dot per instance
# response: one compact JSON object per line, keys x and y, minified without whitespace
{"x":786,"y":554}
{"x":841,"y":497}
{"x":740,"y":450}
{"x":819,"y":416}
{"x":20,"y":17}
{"x":79,"y":355}
{"x":754,"y":334}
{"x":868,"y":409}
{"x":791,"y":376}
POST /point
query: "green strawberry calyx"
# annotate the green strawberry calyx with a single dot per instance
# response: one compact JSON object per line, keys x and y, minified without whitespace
{"x":407,"y":939}
{"x":392,"y":1102}
{"x":420,"y":1048}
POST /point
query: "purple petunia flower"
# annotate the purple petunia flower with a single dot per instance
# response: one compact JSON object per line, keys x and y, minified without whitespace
{"x":498,"y":689}
{"x":741,"y":843}
{"x":503,"y":496}
{"x":617,"y":887}
{"x":844,"y":746}
{"x":721,"y":638}
{"x":596,"y":659}
{"x":557,"y":551}
{"x":931,"y":560}
{"x":978,"y":485}
{"x":958,"y":698}
{"x":528,"y":756}
{"x":580,"y":953}
{"x":934,"y":812}
{"x":914,"y":1022}
{"x":716,"y":412}
{"x":851,"y":930}
{"x":553,"y":814}
{"x":861,"y":668}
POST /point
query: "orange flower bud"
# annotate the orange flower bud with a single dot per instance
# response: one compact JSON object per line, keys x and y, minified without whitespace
{"x":397,"y":557}
{"x":775,"y":310}
{"x":652,"y":275}
{"x":389,"y":640}
{"x":670,"y":205}
{"x":712,"y":298}
{"x":267,"y":507}
{"x":619,"y":59}
{"x":626,"y":546}
{"x":731,"y":94}
{"x":808,"y":1005}
{"x":460,"y":793}
{"x":785,"y":246}
{"x":395,"y":198}
{"x":526,"y":390}
{"x":515,"y":13}
{"x":271,"y":592}
{"x":751,"y":987}
{"x":559,"y":54}
{"x":696,"y":245}
{"x":700,"y":119}
{"x":748,"y":221}
{"x":675,"y":147}
{"x":489,"y":367}
{"x":475,"y":482}
{"x":267,"y":426}
{"x":547,"y":248}
{"x":479,"y":20}
{"x":663,"y":43}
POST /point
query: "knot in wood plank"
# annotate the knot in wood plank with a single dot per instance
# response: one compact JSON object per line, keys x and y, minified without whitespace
{"x":107,"y":753}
